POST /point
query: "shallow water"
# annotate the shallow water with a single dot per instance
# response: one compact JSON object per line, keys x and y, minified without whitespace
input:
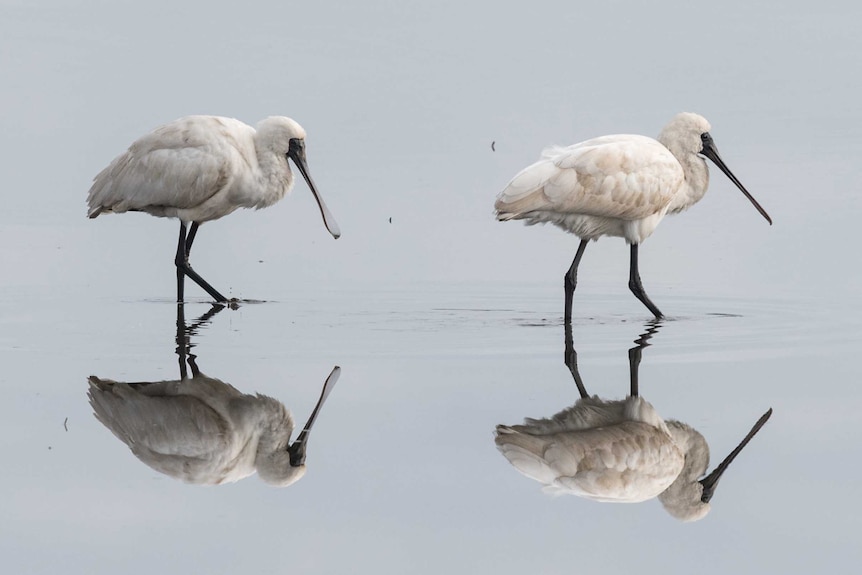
{"x":445,"y":323}
{"x":402,"y":468}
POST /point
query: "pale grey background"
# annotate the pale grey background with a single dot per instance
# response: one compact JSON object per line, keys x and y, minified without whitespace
{"x":445,"y":322}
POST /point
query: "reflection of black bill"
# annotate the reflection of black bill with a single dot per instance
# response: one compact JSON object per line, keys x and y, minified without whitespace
{"x":297,"y":449}
{"x":710,"y":482}
{"x":710,"y":151}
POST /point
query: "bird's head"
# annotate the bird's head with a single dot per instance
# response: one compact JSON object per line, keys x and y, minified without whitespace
{"x":279,"y":464}
{"x":277,"y":132}
{"x":688,"y":497}
{"x":279,"y":469}
{"x":682,"y":134}
{"x":281,"y":135}
{"x":688,"y":133}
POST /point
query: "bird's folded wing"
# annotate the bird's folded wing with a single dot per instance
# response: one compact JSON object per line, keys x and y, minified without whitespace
{"x":181,"y":165}
{"x":624,"y":462}
{"x":179,"y":426}
{"x":626,"y":177}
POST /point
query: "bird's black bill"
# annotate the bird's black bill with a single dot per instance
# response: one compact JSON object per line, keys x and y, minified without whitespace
{"x":710,"y":482}
{"x":297,"y":449}
{"x":297,"y":154}
{"x":710,"y":151}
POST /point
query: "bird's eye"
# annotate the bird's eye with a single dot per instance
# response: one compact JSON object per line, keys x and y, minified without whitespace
{"x":704,"y":137}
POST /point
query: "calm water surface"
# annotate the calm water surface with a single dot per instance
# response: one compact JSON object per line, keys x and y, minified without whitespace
{"x":403,"y":473}
{"x":445,"y":323}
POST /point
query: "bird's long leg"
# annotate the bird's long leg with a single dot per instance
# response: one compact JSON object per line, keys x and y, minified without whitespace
{"x":570,"y":357}
{"x":637,"y":287}
{"x":205,"y":318}
{"x":185,"y":331}
{"x":193,"y":364}
{"x":180,"y":261}
{"x":634,"y":366}
{"x":184,"y":268}
{"x":635,"y":354}
{"x":182,"y":340}
{"x":193,"y":231}
{"x":570,"y":281}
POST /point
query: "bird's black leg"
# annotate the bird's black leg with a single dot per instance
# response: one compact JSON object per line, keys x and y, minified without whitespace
{"x":570,"y":357}
{"x":193,"y":364}
{"x":180,"y":262}
{"x":571,"y":280}
{"x":635,"y":354}
{"x":185,"y":331}
{"x":638,"y":288}
{"x":634,"y":367}
{"x":182,"y":340}
{"x":193,"y":231}
{"x":184,"y":268}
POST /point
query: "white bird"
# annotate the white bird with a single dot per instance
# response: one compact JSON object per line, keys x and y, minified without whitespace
{"x":202,"y":430}
{"x":200,"y":168}
{"x":618,"y":451}
{"x":621,"y":185}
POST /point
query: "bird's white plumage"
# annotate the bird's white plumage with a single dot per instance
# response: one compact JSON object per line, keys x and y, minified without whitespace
{"x":603,"y":450}
{"x":619,"y":185}
{"x":199,"y":430}
{"x":199,"y":168}
{"x":611,"y":451}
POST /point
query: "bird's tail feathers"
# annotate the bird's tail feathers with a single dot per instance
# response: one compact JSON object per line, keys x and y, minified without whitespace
{"x":505,"y":216}
{"x":526,"y":192}
{"x":524,"y":452}
{"x":100,"y":384}
{"x":522,"y":207}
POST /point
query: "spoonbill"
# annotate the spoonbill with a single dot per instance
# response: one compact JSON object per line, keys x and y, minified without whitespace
{"x":621,"y":185}
{"x":618,"y":451}
{"x":202,"y":430}
{"x":200,"y":168}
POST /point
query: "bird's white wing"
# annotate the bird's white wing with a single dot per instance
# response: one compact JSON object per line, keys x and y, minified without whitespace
{"x":180,"y":436}
{"x":180,"y":164}
{"x":628,"y":462}
{"x":627,"y":177}
{"x":593,"y":412}
{"x":175,"y":425}
{"x":211,"y":391}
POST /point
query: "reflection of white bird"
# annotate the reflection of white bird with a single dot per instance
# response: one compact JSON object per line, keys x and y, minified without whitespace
{"x":620,"y":185}
{"x":201,"y":168}
{"x":617,"y":451}
{"x":204,"y":431}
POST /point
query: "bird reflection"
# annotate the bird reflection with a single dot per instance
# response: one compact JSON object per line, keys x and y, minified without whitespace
{"x":618,"y":451}
{"x":202,"y":430}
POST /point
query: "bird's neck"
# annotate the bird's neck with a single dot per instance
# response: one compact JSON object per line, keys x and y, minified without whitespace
{"x":275,"y":178}
{"x":694,"y":446}
{"x":682,"y":498}
{"x":274,"y":422}
{"x":696,"y":182}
